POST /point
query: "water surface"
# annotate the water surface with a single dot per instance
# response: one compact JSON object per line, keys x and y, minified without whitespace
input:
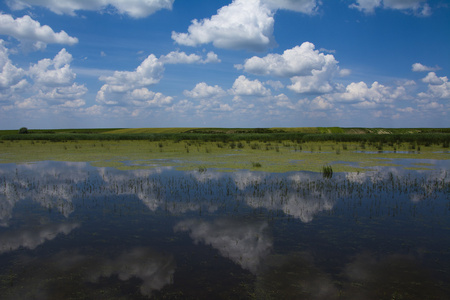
{"x":70,"y":230}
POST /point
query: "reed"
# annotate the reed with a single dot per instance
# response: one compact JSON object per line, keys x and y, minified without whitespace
{"x":327,"y":171}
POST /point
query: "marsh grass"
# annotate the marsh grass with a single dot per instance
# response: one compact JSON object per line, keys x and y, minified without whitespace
{"x":327,"y":171}
{"x":256,"y":165}
{"x":189,"y":155}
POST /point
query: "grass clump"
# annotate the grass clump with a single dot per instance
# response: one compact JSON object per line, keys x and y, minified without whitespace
{"x":327,"y":171}
{"x":256,"y":165}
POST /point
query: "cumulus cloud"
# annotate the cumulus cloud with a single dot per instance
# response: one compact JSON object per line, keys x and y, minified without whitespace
{"x":10,"y":75}
{"x":438,"y":87}
{"x":298,"y":61}
{"x":176,"y":57}
{"x":54,"y":71}
{"x":377,"y":93}
{"x":202,"y":90}
{"x":418,"y":67}
{"x":52,"y":85}
{"x":245,"y":87}
{"x":432,"y":79}
{"x":275,"y":84}
{"x":29,"y":31}
{"x":133,"y":8}
{"x":247,"y":244}
{"x":316,"y":83}
{"x":320,"y":103}
{"x":243,"y":24}
{"x":145,"y":97}
{"x":310,"y":70}
{"x":147,"y":73}
{"x":131,"y":86}
{"x":418,"y":7}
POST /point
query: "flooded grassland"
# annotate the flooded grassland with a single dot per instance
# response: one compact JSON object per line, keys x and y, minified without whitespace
{"x":282,"y":156}
{"x":190,"y":220}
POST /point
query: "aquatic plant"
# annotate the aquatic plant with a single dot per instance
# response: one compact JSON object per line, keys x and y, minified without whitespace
{"x":327,"y":171}
{"x":256,"y":165}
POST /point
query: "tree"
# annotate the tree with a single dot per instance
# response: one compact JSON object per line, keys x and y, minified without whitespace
{"x":23,"y":130}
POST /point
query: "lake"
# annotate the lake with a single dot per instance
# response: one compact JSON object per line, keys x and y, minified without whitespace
{"x":73,"y":231}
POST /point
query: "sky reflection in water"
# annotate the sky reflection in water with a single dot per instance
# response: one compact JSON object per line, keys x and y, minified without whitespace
{"x":72,"y":230}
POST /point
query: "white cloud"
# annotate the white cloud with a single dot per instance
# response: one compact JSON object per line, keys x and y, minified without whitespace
{"x":53,"y":72}
{"x":10,"y":75}
{"x":243,"y":24}
{"x":211,"y":57}
{"x":275,"y":84}
{"x":345,"y":72}
{"x":202,"y":90}
{"x":27,"y":30}
{"x":176,"y":57}
{"x":130,"y":86}
{"x":133,"y":8}
{"x":367,"y":6}
{"x":360,"y":92}
{"x":144,"y":97}
{"x":432,"y":79}
{"x":63,"y":93}
{"x":298,"y":61}
{"x":438,"y":87}
{"x":317,"y":83}
{"x":73,"y":104}
{"x":418,"y":7}
{"x":148,"y":72}
{"x":51,"y":86}
{"x":282,"y":100}
{"x":245,"y":87}
{"x":418,"y":67}
{"x":139,"y":97}
{"x":319,"y":103}
{"x":310,"y":70}
{"x":304,"y":6}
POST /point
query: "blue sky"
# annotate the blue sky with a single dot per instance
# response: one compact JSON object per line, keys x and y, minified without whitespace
{"x":240,"y":63}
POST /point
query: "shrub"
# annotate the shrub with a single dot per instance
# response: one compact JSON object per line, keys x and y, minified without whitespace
{"x":23,"y":130}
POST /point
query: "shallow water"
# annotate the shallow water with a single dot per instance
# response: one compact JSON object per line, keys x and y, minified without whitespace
{"x":70,"y":230}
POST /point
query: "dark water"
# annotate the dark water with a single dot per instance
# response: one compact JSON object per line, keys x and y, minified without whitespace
{"x":72,"y":231}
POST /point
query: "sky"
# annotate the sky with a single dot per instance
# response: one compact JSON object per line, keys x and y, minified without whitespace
{"x":234,"y":63}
